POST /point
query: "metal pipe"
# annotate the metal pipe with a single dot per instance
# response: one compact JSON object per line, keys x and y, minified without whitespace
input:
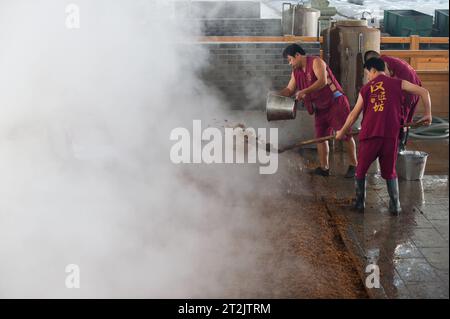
{"x":360,"y":42}
{"x":318,"y":30}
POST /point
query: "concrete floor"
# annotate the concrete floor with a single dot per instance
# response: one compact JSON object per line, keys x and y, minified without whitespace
{"x":411,"y":250}
{"x":285,"y":243}
{"x":288,"y":246}
{"x":303,"y":240}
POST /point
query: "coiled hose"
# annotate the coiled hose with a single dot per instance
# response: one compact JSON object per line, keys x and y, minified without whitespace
{"x":439,"y":129}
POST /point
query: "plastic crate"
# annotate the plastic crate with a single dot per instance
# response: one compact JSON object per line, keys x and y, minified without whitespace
{"x":404,"y":23}
{"x":441,"y":22}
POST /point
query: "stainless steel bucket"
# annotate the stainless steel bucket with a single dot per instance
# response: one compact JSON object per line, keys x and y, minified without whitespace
{"x":411,"y":165}
{"x":280,"y":107}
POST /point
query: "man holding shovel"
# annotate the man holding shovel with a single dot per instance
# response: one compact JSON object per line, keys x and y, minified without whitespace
{"x":400,"y":69}
{"x":380,"y":100}
{"x":313,"y":82}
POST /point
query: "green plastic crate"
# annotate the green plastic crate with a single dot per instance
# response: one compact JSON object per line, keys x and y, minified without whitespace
{"x":403,"y":23}
{"x":441,"y":22}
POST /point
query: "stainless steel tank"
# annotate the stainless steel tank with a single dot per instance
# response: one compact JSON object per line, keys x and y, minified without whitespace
{"x":344,"y":44}
{"x":299,"y":20}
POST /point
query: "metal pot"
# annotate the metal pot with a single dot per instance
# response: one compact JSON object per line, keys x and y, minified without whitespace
{"x":280,"y":107}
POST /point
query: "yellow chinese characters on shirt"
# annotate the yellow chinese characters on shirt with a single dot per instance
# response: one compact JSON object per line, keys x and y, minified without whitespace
{"x":377,"y":96}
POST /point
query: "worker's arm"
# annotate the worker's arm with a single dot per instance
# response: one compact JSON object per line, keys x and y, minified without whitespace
{"x":424,"y":95}
{"x":351,"y":119}
{"x":320,"y":71}
{"x":290,"y":89}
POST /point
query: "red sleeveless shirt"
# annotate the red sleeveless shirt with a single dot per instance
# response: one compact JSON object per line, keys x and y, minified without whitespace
{"x":322,"y":98}
{"x":382,"y":109}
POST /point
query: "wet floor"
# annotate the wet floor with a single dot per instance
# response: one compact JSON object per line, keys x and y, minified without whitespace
{"x":286,"y":245}
{"x":306,"y":243}
{"x":411,"y":250}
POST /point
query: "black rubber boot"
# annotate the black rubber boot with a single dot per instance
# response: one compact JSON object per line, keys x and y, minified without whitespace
{"x":322,"y":172}
{"x":360,"y":186}
{"x":394,"y":202}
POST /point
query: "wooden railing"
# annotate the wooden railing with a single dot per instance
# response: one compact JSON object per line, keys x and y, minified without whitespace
{"x":414,"y":41}
{"x":422,"y":59}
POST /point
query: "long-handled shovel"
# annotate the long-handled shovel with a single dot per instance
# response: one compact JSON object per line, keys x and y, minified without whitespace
{"x":331,"y":137}
{"x":312,"y":141}
{"x":415,"y":124}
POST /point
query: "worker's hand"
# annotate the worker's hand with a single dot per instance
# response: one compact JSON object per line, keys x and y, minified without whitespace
{"x":426,"y":120}
{"x":340,"y":135}
{"x":299,"y":95}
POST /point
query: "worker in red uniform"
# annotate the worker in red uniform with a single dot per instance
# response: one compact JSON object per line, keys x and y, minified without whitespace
{"x":313,"y":82}
{"x":400,"y":69}
{"x":380,"y":100}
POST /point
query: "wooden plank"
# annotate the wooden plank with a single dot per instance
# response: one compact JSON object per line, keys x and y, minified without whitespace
{"x":403,"y":40}
{"x":406,"y":40}
{"x":437,"y":83}
{"x":430,"y":67}
{"x":431,"y":63}
{"x":416,"y":53}
{"x":433,"y":60}
{"x":415,"y":42}
{"x":434,"y":40}
{"x":414,"y":45}
{"x":436,"y":75}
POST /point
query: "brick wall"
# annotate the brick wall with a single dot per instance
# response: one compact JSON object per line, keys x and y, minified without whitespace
{"x":241,"y":27}
{"x":244,"y":72}
{"x":218,"y":9}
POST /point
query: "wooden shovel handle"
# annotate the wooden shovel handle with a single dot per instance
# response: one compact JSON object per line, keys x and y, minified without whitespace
{"x":314,"y":141}
{"x":415,"y":124}
{"x":325,"y":138}
{"x":330,"y":137}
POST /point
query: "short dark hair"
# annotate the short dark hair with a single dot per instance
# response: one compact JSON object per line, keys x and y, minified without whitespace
{"x":374,"y":63}
{"x":372,"y":54}
{"x":292,"y":50}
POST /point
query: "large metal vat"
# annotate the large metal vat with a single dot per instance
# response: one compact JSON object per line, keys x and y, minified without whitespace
{"x":344,"y":45}
{"x":299,"y":20}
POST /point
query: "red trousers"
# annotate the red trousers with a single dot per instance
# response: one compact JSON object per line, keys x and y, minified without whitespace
{"x":332,"y":118}
{"x":383,"y":148}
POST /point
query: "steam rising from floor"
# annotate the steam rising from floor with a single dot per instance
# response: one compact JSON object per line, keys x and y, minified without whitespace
{"x":86,"y":177}
{"x":85,"y":117}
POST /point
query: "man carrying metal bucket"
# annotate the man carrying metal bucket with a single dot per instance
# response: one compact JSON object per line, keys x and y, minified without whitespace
{"x":399,"y":69}
{"x":313,"y":82}
{"x":380,"y":100}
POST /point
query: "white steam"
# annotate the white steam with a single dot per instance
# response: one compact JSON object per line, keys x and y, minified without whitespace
{"x":85,"y":175}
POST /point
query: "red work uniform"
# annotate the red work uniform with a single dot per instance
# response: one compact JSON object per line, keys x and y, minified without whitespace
{"x":382,"y":116}
{"x":331,"y":107}
{"x":403,"y":71}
